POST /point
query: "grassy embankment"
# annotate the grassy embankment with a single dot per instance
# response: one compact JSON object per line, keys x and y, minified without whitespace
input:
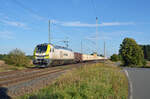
{"x":14,"y":62}
{"x":6,"y":67}
{"x":89,"y":82}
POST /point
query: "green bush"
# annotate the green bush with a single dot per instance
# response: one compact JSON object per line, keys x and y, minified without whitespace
{"x":131,"y":53}
{"x":30,"y":57}
{"x":146,"y":50}
{"x":17,"y":57}
{"x":144,"y":63}
{"x":114,"y":57}
{"x":2,"y":56}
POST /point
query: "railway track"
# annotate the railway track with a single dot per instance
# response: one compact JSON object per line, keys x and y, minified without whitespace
{"x":23,"y":73}
{"x":8,"y":78}
{"x":21,"y":78}
{"x":26,"y":81}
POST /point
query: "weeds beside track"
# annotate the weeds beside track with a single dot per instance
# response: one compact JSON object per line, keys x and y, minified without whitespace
{"x":29,"y":80}
{"x":88,"y":82}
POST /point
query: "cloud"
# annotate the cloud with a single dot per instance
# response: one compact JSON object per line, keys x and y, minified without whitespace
{"x":80,"y":24}
{"x":14,"y":23}
{"x":107,"y":35}
{"x":6,"y":35}
{"x":39,"y":17}
{"x":116,"y":23}
{"x":98,"y":38}
{"x":77,"y":24}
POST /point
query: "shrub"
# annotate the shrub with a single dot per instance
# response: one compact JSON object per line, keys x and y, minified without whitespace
{"x":17,"y":57}
{"x":144,"y":63}
{"x":146,"y":50}
{"x":2,"y":56}
{"x":131,"y":53}
{"x":30,"y":57}
{"x":114,"y":57}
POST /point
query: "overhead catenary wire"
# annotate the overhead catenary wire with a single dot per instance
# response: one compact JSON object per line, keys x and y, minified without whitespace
{"x":37,"y":14}
{"x":95,"y":14}
{"x":93,"y":7}
{"x":87,"y":47}
{"x":34,"y":13}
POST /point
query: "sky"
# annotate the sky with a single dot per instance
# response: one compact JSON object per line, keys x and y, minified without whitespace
{"x":24,"y":24}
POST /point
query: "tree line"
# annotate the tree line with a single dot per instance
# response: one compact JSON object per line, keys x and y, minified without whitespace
{"x":131,"y":54}
{"x":146,"y":51}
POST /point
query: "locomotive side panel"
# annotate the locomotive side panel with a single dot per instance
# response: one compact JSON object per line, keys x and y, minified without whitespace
{"x":61,"y":54}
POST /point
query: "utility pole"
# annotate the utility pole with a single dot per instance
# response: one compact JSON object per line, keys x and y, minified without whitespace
{"x":104,"y":50}
{"x":96,"y":35}
{"x":81,"y":47}
{"x":49,"y":39}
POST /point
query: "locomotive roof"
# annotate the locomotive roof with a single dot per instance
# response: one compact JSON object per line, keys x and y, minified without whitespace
{"x":61,"y":47}
{"x":56,"y":46}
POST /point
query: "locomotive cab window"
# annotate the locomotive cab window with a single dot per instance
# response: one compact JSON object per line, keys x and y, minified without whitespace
{"x":41,"y":48}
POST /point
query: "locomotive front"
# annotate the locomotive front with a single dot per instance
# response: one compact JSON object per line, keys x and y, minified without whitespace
{"x":42,"y":54}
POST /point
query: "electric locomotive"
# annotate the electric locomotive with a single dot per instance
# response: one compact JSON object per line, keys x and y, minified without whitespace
{"x":49,"y":54}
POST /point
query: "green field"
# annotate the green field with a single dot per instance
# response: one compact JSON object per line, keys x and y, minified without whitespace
{"x":96,"y":81}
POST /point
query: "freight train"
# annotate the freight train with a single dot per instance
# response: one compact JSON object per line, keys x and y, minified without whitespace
{"x":50,"y":55}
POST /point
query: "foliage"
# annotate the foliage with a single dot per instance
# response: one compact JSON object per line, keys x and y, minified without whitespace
{"x":88,"y":82}
{"x":146,"y":50}
{"x":131,"y":53}
{"x":114,"y":57}
{"x":17,"y":57}
{"x":30,"y":57}
{"x":2,"y":56}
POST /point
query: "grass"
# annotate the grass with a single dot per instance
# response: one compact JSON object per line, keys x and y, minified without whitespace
{"x":5,"y":67}
{"x":88,"y":82}
{"x":147,"y":65}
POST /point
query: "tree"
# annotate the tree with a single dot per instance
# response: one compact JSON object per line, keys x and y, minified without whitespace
{"x":131,"y":53}
{"x":2,"y":56}
{"x":146,"y":50}
{"x":114,"y":57}
{"x":17,"y":57}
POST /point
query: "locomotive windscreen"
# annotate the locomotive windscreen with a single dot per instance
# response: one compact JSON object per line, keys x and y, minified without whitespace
{"x":41,"y":48}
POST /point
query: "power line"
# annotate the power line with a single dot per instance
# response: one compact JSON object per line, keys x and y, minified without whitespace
{"x":28,"y":9}
{"x":94,"y":7}
{"x":89,"y":46}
